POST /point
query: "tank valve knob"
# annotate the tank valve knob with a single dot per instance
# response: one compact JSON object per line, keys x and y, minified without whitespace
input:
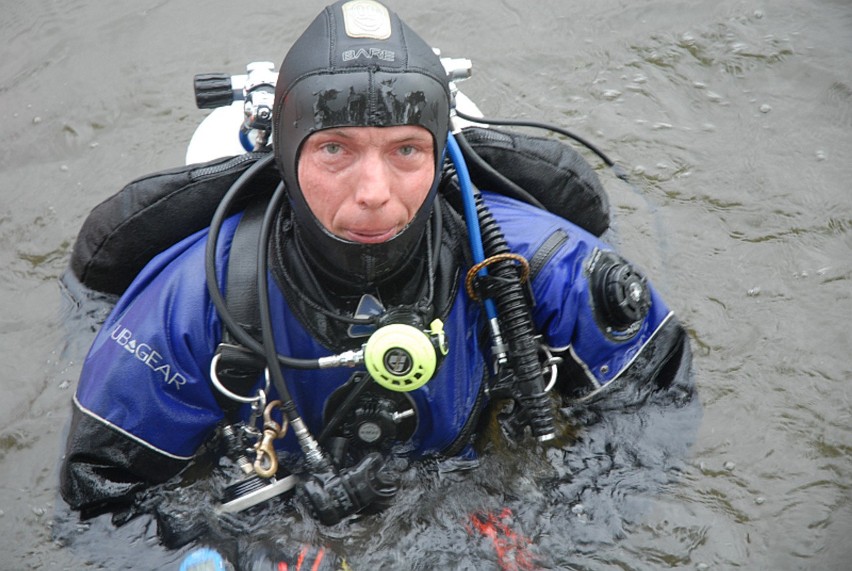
{"x":213,"y":90}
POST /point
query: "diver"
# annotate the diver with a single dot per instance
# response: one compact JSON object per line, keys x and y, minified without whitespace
{"x":390,"y":302}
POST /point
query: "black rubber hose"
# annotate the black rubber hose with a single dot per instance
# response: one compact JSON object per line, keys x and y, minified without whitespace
{"x":616,"y":168}
{"x":265,"y":313}
{"x":509,"y":187}
{"x":222,"y":211}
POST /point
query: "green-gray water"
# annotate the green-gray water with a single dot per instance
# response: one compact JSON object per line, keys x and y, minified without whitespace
{"x":732,"y":117}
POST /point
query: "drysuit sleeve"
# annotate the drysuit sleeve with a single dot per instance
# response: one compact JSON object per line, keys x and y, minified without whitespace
{"x":144,"y":403}
{"x":594,"y":308}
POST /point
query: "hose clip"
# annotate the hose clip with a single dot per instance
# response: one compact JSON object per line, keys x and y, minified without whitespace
{"x":266,"y":461}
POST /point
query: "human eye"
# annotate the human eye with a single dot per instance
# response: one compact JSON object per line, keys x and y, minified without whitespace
{"x":410,"y":150}
{"x":332,"y":148}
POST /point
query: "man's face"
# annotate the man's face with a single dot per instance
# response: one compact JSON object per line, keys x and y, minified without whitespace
{"x":365,"y":184}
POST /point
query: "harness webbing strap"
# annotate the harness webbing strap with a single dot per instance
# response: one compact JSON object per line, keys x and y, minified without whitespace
{"x":239,"y":368}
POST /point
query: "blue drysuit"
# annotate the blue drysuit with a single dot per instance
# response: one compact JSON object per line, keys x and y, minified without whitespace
{"x":145,"y":403}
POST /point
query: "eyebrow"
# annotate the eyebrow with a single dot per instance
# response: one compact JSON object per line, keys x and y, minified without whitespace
{"x":415,"y":135}
{"x":338,"y":132}
{"x":418,"y":138}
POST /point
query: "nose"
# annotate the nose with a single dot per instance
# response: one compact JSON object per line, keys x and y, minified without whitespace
{"x":373,"y":187}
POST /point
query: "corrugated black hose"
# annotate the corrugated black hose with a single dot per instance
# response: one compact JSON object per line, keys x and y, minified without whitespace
{"x":503,"y":285}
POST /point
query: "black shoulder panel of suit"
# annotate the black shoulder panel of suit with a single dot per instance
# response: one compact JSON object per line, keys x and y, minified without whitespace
{"x":665,"y":361}
{"x":104,"y":468}
{"x":149,"y":215}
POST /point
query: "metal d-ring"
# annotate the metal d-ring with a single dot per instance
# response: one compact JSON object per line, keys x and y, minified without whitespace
{"x":551,"y":363}
{"x":214,"y":378}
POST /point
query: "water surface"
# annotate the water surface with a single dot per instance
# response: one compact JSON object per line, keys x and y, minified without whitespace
{"x":733,"y":118}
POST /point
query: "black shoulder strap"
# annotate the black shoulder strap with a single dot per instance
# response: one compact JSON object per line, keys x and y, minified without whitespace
{"x":238,"y":368}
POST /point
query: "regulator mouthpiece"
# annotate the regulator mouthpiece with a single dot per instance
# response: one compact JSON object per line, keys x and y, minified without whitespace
{"x":402,"y":357}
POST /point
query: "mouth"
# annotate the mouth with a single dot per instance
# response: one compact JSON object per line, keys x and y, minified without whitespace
{"x":370,"y":236}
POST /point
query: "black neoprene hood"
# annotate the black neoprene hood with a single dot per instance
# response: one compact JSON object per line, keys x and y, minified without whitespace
{"x":357,"y":65}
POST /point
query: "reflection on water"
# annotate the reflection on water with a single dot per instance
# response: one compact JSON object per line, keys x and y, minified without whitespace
{"x":732,"y":118}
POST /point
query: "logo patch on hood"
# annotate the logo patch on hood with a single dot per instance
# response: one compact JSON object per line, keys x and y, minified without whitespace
{"x":366,"y":19}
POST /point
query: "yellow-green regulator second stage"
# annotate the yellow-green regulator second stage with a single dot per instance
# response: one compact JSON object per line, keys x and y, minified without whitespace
{"x":403,"y":358}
